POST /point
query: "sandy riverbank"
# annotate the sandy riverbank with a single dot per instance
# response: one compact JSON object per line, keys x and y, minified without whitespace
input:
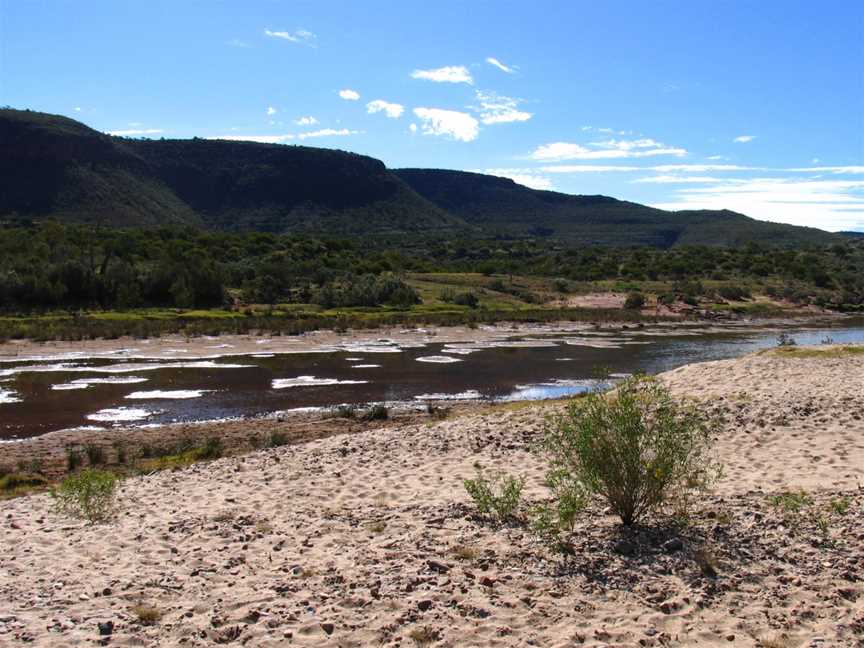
{"x":367,"y":538}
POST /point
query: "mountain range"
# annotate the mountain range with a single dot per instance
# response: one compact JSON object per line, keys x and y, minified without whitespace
{"x":54,"y":167}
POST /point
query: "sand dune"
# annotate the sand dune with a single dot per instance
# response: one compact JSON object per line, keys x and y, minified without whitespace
{"x":368,"y":539}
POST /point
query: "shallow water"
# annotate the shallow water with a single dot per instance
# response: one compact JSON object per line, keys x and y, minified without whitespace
{"x":41,"y":395}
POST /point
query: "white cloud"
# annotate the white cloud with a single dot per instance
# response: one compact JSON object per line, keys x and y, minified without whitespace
{"x":447,"y":74}
{"x":526,"y":177}
{"x":509,"y":69}
{"x":589,"y":168}
{"x":271,"y":110}
{"x":77,"y":109}
{"x":392,"y":110}
{"x":301,"y":36}
{"x":701,"y":168}
{"x":261,"y":139}
{"x":831,"y":169}
{"x":349,"y":95}
{"x":236,"y":42}
{"x":450,"y":123}
{"x":328,"y":132}
{"x":743,"y":139}
{"x":413,"y":127}
{"x":306,"y":121}
{"x":827,"y":204}
{"x":136,"y":132}
{"x":559,"y":151}
{"x":673,"y":179}
{"x":498,"y":109}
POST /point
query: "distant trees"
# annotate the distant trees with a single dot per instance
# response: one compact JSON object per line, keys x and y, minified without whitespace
{"x":52,"y":265}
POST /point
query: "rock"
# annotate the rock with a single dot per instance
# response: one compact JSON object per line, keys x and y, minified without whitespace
{"x":730,"y":637}
{"x":673,"y":544}
{"x":106,"y":628}
{"x":328,"y":628}
{"x":487,"y":582}
{"x":439,"y":567}
{"x":424,"y":605}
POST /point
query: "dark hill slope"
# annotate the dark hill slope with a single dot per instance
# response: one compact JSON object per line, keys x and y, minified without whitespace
{"x":56,"y":167}
{"x":499,"y":204}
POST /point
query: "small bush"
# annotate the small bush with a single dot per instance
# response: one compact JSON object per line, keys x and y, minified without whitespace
{"x":210,"y":448}
{"x":498,"y":495}
{"x":637,"y":448}
{"x":343,"y":411}
{"x":276,"y":439}
{"x":74,"y":458}
{"x":147,"y":614}
{"x":21,"y":481}
{"x":377,"y":412}
{"x":468,"y":299}
{"x":90,"y":495}
{"x":95,"y":454}
{"x":634,"y":301}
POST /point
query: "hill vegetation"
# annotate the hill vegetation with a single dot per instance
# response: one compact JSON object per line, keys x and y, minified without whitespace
{"x":56,"y":168}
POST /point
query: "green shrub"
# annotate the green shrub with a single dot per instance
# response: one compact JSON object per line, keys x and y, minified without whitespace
{"x":90,"y":495}
{"x":277,"y":439}
{"x":636,"y":447}
{"x":634,"y":301}
{"x":17,"y":481}
{"x":468,"y":299}
{"x":210,"y":448}
{"x":498,"y":495}
{"x":74,"y":458}
{"x":343,"y":411}
{"x":377,"y":412}
{"x":95,"y":454}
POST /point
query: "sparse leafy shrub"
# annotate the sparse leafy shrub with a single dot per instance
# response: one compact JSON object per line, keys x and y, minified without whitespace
{"x":147,"y":614}
{"x":634,"y":301}
{"x":636,"y":447}
{"x":74,"y":458}
{"x":569,"y":499}
{"x":95,"y":454}
{"x":437,"y":412}
{"x":497,"y":495}
{"x":90,"y":495}
{"x":277,"y":439}
{"x":210,"y":448}
{"x":840,"y":506}
{"x":468,"y":299}
{"x":377,"y":412}
{"x":343,"y":411}
{"x":733,"y":293}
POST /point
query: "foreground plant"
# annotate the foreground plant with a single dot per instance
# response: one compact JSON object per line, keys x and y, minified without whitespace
{"x":90,"y":495}
{"x":497,"y":495}
{"x":636,"y":447}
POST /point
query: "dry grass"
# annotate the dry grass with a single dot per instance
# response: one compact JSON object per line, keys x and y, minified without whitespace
{"x":147,"y":614}
{"x":423,"y":636}
{"x":464,"y":552}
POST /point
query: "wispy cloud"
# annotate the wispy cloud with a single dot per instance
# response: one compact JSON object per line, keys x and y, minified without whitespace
{"x":136,"y":132}
{"x":236,"y":42}
{"x":509,"y":69}
{"x":328,"y":132}
{"x":525,"y":177}
{"x":261,"y":139}
{"x":299,"y":36}
{"x":743,"y":139}
{"x":830,"y":204}
{"x":392,"y":110}
{"x":349,"y":95}
{"x":447,"y":74}
{"x":306,"y":121}
{"x":449,"y":123}
{"x":498,"y":109}
{"x":271,"y":110}
{"x":560,"y":151}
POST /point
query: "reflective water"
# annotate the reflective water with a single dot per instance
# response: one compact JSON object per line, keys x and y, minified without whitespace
{"x":40,"y":396}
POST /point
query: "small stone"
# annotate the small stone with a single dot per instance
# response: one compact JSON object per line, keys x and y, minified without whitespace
{"x":730,"y":637}
{"x":328,"y":628}
{"x":424,"y":605}
{"x":487,"y":582}
{"x":106,"y":628}
{"x":439,"y":567}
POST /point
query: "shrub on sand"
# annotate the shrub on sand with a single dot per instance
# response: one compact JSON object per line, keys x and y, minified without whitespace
{"x":636,"y":447}
{"x":498,"y":495}
{"x":90,"y":495}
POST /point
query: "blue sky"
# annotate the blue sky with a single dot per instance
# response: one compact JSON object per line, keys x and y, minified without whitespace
{"x":752,"y":106}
